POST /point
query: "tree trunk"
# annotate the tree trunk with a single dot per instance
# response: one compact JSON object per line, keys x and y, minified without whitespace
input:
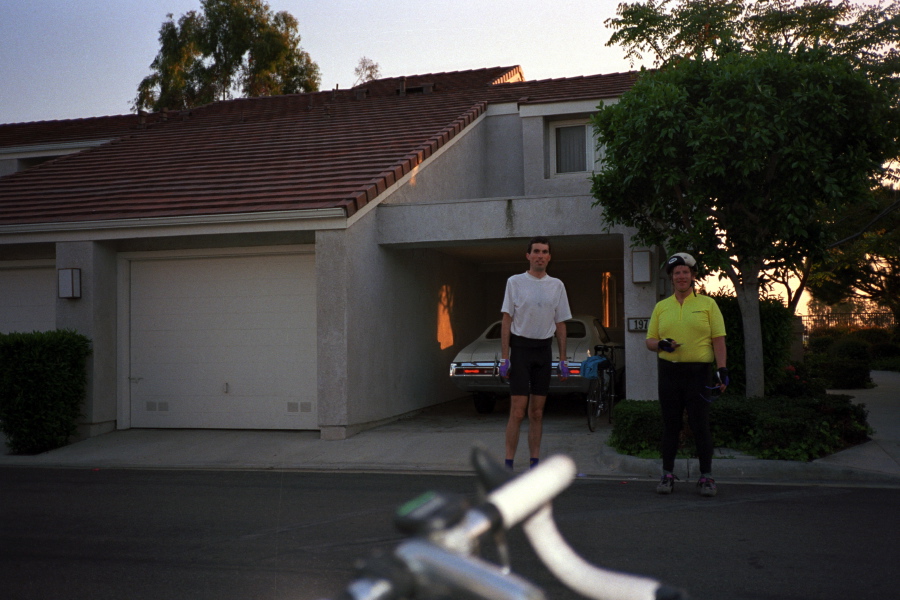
{"x":748,"y":301}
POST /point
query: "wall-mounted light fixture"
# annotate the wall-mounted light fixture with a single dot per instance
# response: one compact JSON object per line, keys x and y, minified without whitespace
{"x":641,"y":266}
{"x":69,"y":283}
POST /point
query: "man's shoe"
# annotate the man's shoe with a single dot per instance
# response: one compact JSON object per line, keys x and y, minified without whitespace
{"x":707,"y":486}
{"x":666,"y":484}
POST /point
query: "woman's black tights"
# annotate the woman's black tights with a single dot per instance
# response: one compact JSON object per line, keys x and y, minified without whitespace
{"x":682,"y":386}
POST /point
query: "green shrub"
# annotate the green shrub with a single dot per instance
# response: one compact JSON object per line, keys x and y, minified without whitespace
{"x":729,"y":417}
{"x":637,"y":428}
{"x":845,"y":366}
{"x":798,"y":381}
{"x":807,"y":428}
{"x":848,"y":419}
{"x":885,"y":350}
{"x":42,"y":387}
{"x":845,"y":374}
{"x":890,"y":363}
{"x":819,"y":344}
{"x":775,"y":427}
{"x":821,"y":338}
{"x":849,"y":347}
{"x":872,"y":335}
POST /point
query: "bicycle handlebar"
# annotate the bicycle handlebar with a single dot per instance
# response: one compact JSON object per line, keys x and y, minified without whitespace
{"x":443,"y":561}
{"x":522,"y":496}
{"x":583,"y":577}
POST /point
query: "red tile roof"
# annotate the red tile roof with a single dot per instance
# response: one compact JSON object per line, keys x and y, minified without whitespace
{"x":331,"y":149}
{"x":74,"y":130}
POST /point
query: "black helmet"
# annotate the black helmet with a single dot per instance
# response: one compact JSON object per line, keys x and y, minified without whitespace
{"x":680,"y":258}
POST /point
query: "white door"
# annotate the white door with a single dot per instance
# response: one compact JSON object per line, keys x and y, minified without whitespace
{"x":223,"y":342}
{"x":27,"y":299}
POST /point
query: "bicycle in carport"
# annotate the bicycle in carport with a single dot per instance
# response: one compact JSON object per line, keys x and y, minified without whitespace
{"x":600,"y":369}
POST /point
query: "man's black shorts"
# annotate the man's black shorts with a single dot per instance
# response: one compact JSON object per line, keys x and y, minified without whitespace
{"x":530,"y":366}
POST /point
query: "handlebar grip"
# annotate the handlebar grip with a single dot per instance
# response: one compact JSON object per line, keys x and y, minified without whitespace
{"x":525,"y":494}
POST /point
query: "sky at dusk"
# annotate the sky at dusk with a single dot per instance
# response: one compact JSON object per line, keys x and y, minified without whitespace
{"x":63,"y":59}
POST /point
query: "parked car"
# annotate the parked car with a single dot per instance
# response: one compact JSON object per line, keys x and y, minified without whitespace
{"x":476,"y":368}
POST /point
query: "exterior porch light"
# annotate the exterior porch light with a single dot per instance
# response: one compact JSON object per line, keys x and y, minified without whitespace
{"x":641,"y":269}
{"x":69,"y":283}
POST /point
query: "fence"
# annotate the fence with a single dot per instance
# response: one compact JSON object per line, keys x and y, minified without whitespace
{"x":881,"y":320}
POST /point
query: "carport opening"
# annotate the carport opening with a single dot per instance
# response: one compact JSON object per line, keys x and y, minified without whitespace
{"x":466,"y":286}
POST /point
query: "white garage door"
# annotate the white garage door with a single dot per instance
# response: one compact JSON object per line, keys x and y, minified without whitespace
{"x":27,"y":299}
{"x":224,"y":342}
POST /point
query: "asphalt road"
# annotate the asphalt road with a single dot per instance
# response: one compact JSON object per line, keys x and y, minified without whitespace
{"x":96,"y":534}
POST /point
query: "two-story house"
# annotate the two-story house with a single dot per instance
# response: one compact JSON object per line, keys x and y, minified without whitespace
{"x":310,"y":261}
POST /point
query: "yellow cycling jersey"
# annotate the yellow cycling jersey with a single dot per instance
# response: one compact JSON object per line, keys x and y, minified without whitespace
{"x":693,"y":324}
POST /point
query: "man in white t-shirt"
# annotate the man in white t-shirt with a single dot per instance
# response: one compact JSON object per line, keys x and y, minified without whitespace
{"x":535,"y":308}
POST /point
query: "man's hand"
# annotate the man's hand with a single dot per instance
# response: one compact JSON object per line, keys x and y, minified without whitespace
{"x":667,"y":345}
{"x":504,"y":368}
{"x":563,"y":370}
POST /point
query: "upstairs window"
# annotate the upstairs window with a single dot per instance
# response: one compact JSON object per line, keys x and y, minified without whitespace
{"x":571,"y":147}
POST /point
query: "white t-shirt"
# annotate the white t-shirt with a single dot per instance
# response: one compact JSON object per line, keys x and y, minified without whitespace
{"x":536,"y":305}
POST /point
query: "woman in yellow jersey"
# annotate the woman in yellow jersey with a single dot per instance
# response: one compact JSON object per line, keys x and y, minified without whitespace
{"x":688,"y":333}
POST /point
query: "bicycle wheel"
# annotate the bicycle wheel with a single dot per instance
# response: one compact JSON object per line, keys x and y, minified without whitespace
{"x":593,"y":404}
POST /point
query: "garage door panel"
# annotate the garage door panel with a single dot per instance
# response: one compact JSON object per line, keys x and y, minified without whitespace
{"x":224,"y":342}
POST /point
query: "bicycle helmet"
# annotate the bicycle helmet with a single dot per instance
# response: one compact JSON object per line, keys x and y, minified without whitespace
{"x":680,"y":258}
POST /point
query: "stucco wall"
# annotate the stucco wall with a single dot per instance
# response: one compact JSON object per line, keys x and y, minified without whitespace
{"x":378,"y":315}
{"x":94,"y":315}
{"x":640,"y":298}
{"x":484,"y":161}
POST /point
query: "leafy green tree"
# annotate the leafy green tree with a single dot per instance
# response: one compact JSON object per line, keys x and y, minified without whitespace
{"x":674,"y":31}
{"x":232,"y":47}
{"x":744,"y":161}
{"x":668,"y":31}
{"x":867,"y":267}
{"x":866,"y":34}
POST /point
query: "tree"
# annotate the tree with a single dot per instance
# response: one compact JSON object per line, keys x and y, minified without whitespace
{"x":673,"y":31}
{"x":867,"y":267}
{"x":366,"y":70}
{"x":865,"y":34}
{"x":232,"y":47}
{"x":744,"y":161}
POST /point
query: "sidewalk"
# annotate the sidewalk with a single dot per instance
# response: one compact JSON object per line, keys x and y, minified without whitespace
{"x":439,"y":440}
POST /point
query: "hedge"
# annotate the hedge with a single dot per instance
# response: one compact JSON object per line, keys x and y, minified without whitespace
{"x":43,"y":382}
{"x":777,"y":427}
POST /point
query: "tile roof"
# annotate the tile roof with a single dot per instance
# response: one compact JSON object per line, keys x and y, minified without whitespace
{"x":37,"y":133}
{"x":339,"y":148}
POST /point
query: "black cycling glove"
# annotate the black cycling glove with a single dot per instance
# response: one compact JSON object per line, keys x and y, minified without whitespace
{"x":722,"y":376}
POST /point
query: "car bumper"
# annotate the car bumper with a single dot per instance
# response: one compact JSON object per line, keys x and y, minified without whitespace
{"x":484,"y":377}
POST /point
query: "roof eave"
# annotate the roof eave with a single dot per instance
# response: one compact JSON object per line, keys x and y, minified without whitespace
{"x":317,"y":218}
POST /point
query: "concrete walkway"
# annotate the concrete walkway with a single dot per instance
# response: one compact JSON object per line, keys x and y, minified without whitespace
{"x":439,"y":440}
